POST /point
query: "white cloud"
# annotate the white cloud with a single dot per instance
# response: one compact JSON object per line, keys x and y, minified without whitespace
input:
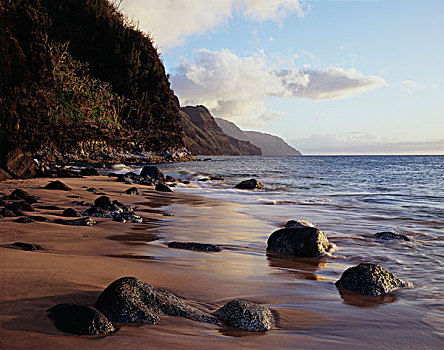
{"x":235,"y":88}
{"x":172,"y":21}
{"x":362,"y":143}
{"x":410,"y":85}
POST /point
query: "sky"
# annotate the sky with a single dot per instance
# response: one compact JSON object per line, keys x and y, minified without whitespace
{"x":328,"y":76}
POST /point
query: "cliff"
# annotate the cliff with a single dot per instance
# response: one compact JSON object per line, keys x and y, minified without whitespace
{"x":204,"y":137}
{"x":269,"y":144}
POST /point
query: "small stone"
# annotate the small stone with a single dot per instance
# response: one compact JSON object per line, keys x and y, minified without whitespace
{"x":387,"y":236}
{"x":298,"y":224}
{"x":249,"y":185}
{"x":246,"y":315}
{"x":195,"y":246}
{"x":216,"y":178}
{"x":204,"y":179}
{"x":70,"y":212}
{"x":57,"y":185}
{"x":133,"y":191}
{"x":26,"y":246}
{"x":79,"y":320}
{"x":92,"y":189}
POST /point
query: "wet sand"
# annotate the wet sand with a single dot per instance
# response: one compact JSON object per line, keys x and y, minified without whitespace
{"x":77,"y":263}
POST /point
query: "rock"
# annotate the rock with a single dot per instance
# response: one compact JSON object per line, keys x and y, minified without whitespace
{"x":20,"y":165}
{"x":129,"y":300}
{"x":77,"y":222}
{"x":7,"y":213}
{"x":123,"y":178}
{"x":304,"y":241}
{"x":103,"y":202}
{"x":169,"y":178}
{"x":26,"y":246}
{"x":2,"y":203}
{"x":24,"y":220}
{"x":133,"y":191}
{"x":216,"y":178}
{"x":4,"y":175}
{"x":386,"y":236}
{"x":18,"y":207}
{"x":39,"y":218}
{"x":79,"y":320}
{"x":70,"y":212}
{"x":195,"y":246}
{"x":95,"y":211}
{"x":100,"y":166}
{"x":127,"y":216}
{"x":49,"y":207}
{"x":57,"y":185}
{"x":369,"y":279}
{"x":67,"y":173}
{"x":249,"y":185}
{"x":92,"y":189}
{"x":19,"y":194}
{"x":246,"y":315}
{"x":89,"y":172}
{"x":204,"y":179}
{"x":152,"y":172}
{"x":298,"y":224}
{"x":163,"y":188}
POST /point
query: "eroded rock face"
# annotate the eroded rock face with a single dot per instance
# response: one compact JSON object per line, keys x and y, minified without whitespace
{"x":79,"y":320}
{"x":57,"y":185}
{"x":388,"y":236}
{"x":369,"y":279}
{"x":303,"y":241}
{"x":249,"y":185}
{"x":129,"y":300}
{"x":152,"y":172}
{"x":246,"y":315}
{"x":195,"y":246}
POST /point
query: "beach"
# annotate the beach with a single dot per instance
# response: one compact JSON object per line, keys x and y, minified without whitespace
{"x":77,"y":263}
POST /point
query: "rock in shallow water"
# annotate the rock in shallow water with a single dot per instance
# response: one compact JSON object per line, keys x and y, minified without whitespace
{"x":195,"y":246}
{"x":304,"y":241}
{"x":246,"y":315}
{"x":80,"y":320}
{"x":129,"y":300}
{"x":387,"y":236}
{"x":369,"y":279}
{"x":249,"y":185}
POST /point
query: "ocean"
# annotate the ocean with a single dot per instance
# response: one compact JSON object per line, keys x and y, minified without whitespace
{"x":350,"y":198}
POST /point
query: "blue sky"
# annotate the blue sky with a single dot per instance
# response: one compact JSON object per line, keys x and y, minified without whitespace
{"x":330,"y":77}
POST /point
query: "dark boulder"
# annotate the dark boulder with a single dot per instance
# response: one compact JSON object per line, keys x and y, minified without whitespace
{"x":39,"y":218}
{"x":103,"y":202}
{"x":133,"y":191}
{"x":95,"y":211}
{"x":92,"y":189}
{"x":163,"y":188}
{"x":246,"y":315}
{"x":129,"y":300}
{"x":20,"y":194}
{"x":369,"y":279}
{"x":89,"y":172}
{"x":7,"y":213}
{"x":249,"y":185}
{"x":304,"y":241}
{"x":387,"y":236}
{"x":76,"y":222}
{"x":298,"y":224}
{"x":195,"y":246}
{"x":20,"y":165}
{"x":123,"y":178}
{"x":24,"y":220}
{"x":127,"y":217}
{"x":79,"y":320}
{"x":21,"y":205}
{"x":169,"y":178}
{"x":57,"y":185}
{"x":152,"y":172}
{"x":70,"y":212}
{"x":26,"y":246}
{"x":49,"y":207}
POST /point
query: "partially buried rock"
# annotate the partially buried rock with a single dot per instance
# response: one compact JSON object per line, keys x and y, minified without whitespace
{"x":21,"y":205}
{"x":70,"y":212}
{"x":26,"y":246}
{"x":92,"y":189}
{"x":77,"y":222}
{"x":298,"y":224}
{"x":133,"y":191}
{"x":153,"y":172}
{"x":387,"y":236}
{"x":39,"y":218}
{"x":57,"y":185}
{"x":20,"y":194}
{"x":79,"y":320}
{"x":7,"y":213}
{"x":369,"y":279}
{"x":129,"y":300}
{"x":163,"y":188}
{"x":24,"y":220}
{"x":216,"y":178}
{"x":249,"y":185}
{"x":103,"y":202}
{"x":95,"y":211}
{"x":89,"y":172}
{"x":246,"y":315}
{"x":195,"y":246}
{"x":304,"y":241}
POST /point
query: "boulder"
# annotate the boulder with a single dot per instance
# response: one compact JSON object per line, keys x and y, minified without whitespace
{"x":89,"y":172}
{"x":4,"y":175}
{"x":20,"y":194}
{"x":369,"y":279}
{"x":26,"y":246}
{"x":95,"y":211}
{"x":163,"y":188}
{"x":39,"y":218}
{"x":20,"y":165}
{"x":123,"y":178}
{"x":103,"y":202}
{"x":246,"y":315}
{"x":298,"y":224}
{"x":79,"y":320}
{"x":24,"y":220}
{"x":152,"y":172}
{"x":195,"y":246}
{"x":304,"y":241}
{"x":387,"y":236}
{"x":21,"y":205}
{"x":76,"y":222}
{"x":49,"y":207}
{"x":57,"y":185}
{"x":92,"y":189}
{"x":133,"y":191}
{"x":70,"y":212}
{"x":129,"y":300}
{"x":249,"y":185}
{"x":7,"y":213}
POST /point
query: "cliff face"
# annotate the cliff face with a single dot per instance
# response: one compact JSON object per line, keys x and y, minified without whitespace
{"x":76,"y":72}
{"x":269,"y":144}
{"x":204,"y":137}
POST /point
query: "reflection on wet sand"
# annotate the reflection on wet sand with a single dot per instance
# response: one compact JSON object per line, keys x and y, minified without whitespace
{"x":300,"y":268}
{"x":355,"y":299}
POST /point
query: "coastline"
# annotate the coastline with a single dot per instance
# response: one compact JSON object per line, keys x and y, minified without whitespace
{"x":73,"y":268}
